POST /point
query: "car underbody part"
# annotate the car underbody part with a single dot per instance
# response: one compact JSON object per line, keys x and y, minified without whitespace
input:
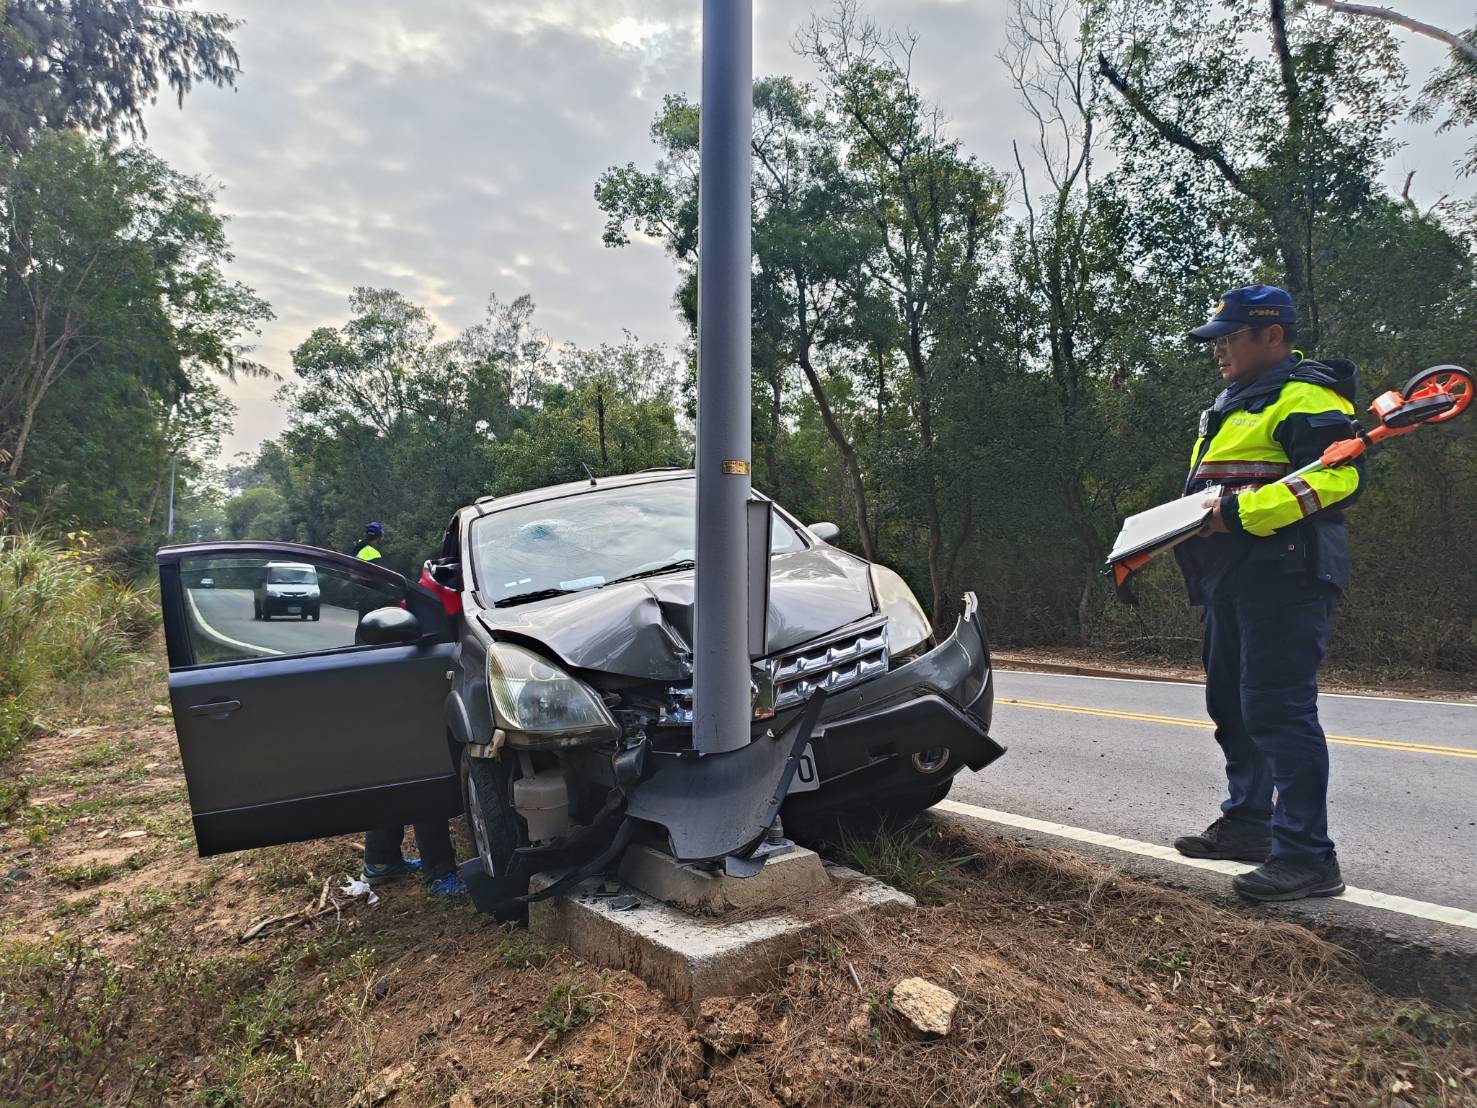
{"x":542,"y":798}
{"x":718,"y":805}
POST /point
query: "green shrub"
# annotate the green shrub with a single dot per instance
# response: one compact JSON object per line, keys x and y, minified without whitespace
{"x":62,"y":616}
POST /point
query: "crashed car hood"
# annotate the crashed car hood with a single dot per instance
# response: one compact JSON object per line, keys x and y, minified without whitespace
{"x":643,"y":629}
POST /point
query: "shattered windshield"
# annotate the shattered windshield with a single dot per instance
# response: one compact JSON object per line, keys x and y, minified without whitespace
{"x":591,"y":539}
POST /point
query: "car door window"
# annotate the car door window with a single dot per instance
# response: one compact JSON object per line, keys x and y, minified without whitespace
{"x":253,"y":607}
{"x":783,"y":539}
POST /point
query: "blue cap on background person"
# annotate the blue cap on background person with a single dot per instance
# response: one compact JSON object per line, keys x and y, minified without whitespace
{"x":1251,"y":306}
{"x":374,"y":529}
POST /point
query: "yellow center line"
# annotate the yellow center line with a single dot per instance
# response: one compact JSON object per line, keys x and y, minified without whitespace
{"x":1204,"y":725}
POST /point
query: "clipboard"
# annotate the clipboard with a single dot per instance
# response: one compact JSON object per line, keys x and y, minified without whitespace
{"x":1156,"y":530}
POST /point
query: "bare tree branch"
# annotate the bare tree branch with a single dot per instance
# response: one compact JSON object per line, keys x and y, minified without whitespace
{"x":1172,"y":132}
{"x":1458,"y":44}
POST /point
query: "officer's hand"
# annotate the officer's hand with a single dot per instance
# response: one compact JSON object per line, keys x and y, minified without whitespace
{"x":1216,"y":524}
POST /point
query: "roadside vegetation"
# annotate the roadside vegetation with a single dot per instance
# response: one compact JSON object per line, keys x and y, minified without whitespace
{"x":66,"y":623}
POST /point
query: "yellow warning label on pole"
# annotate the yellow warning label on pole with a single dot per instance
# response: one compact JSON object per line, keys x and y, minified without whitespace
{"x":736,"y":468}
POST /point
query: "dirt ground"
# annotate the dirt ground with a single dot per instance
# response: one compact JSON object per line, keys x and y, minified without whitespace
{"x":127,"y":977}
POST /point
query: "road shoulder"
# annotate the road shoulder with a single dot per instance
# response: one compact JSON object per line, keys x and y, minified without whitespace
{"x":1400,"y":954}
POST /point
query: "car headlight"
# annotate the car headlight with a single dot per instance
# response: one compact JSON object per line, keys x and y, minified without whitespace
{"x":531,"y":694}
{"x":907,"y":626}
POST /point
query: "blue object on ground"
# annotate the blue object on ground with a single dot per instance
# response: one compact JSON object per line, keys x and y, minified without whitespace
{"x":448,"y":884}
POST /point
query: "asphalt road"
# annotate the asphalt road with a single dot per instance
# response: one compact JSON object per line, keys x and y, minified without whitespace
{"x":1137,"y":759}
{"x":226,"y":615}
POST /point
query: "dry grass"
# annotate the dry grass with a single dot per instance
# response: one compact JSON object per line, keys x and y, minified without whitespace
{"x":1080,"y":986}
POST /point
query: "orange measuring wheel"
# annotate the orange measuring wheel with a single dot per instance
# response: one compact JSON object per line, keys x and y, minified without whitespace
{"x":1442,"y":380}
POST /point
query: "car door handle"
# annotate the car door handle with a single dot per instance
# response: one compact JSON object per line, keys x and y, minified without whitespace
{"x":215,"y":709}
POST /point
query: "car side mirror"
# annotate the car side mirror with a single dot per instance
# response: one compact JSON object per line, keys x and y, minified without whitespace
{"x":826,"y":532}
{"x":384,"y":626}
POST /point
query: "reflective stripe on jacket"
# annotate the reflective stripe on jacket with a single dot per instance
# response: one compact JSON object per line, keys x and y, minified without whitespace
{"x":1250,"y":440}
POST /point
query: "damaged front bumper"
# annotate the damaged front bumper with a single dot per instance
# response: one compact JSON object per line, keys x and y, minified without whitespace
{"x":910,"y":730}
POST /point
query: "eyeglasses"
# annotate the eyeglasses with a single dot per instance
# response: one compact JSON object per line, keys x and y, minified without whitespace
{"x":1223,"y":342}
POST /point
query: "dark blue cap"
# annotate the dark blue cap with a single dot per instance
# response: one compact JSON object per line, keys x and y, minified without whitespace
{"x":1252,"y":306}
{"x":375,"y":528}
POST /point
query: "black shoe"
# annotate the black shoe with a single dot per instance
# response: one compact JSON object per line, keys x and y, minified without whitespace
{"x":1284,"y":879}
{"x":1233,"y":839}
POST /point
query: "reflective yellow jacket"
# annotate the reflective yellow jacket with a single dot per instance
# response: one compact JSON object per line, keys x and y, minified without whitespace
{"x":1250,"y":441}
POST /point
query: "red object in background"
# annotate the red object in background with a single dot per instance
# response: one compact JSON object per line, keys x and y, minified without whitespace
{"x":450,"y":599}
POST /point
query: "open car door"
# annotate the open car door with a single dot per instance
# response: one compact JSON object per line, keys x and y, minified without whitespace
{"x":299,"y":713}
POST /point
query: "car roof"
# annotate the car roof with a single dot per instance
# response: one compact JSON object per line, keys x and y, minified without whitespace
{"x":488,"y":504}
{"x":290,"y":565}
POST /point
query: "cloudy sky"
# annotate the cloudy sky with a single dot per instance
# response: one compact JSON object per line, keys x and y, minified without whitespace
{"x":450,"y":149}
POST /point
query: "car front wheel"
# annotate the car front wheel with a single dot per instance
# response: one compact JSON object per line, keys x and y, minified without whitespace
{"x":496,"y":831}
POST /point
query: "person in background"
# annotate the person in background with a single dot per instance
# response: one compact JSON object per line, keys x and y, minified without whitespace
{"x":383,"y":859}
{"x":373,"y":531}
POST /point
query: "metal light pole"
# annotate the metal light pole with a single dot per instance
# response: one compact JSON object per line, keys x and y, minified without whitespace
{"x":721,"y":706}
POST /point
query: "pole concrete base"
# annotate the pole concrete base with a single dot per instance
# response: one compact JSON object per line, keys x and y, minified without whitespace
{"x":785,"y":878}
{"x":691,"y":957}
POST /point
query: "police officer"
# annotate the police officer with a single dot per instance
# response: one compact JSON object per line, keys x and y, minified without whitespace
{"x":1269,"y":567}
{"x":383,"y":859}
{"x":373,"y":531}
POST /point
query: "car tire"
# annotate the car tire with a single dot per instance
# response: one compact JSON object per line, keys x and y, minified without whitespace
{"x":493,"y":825}
{"x":315,"y":617}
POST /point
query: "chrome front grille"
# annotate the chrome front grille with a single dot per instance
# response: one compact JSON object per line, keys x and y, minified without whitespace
{"x":831,"y":666}
{"x":789,"y":680}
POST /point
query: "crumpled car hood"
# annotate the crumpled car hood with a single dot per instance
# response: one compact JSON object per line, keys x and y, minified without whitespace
{"x":643,"y":629}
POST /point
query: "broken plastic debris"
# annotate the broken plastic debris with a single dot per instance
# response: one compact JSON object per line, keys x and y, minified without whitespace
{"x":624,"y":903}
{"x":354,"y":886}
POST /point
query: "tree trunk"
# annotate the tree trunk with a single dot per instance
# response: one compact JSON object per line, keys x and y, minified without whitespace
{"x":600,"y":424}
{"x":771,"y":445}
{"x":849,"y":461}
{"x":18,"y":452}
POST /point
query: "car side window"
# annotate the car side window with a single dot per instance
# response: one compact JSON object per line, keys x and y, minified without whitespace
{"x":783,"y":539}
{"x":240,"y":607}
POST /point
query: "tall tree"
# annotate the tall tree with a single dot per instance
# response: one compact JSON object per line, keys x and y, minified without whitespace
{"x":96,"y":64}
{"x":1295,"y":125}
{"x":108,"y":254}
{"x":809,"y":249}
{"x":935,"y":214}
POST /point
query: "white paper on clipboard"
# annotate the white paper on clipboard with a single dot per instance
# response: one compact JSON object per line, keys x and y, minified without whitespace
{"x":1165,"y":526}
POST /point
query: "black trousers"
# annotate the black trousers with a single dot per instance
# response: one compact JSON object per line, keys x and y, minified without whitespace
{"x":1265,"y":635}
{"x":432,"y":841}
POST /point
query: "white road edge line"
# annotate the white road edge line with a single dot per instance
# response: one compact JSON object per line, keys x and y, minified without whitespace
{"x":1420,"y":909}
{"x":250,"y":648}
{"x":1201,"y":685}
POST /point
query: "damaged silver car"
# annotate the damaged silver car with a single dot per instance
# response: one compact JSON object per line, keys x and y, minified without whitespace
{"x":539,"y":676}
